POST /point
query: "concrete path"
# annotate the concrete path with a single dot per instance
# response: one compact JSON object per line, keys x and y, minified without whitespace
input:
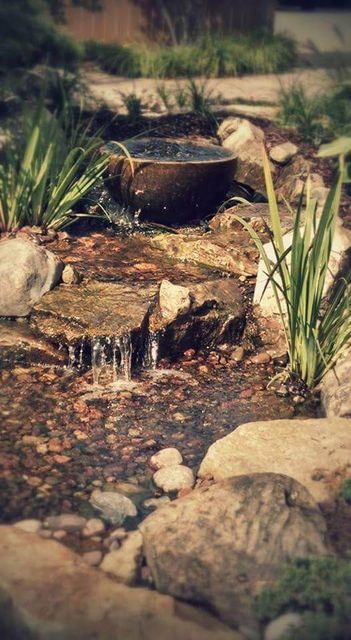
{"x":109,"y":89}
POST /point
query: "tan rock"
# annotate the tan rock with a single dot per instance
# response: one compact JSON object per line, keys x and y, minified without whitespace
{"x":125,"y":563}
{"x":48,"y":592}
{"x":311,"y":451}
{"x":283,"y":153}
{"x":174,"y":300}
{"x":222,"y":544}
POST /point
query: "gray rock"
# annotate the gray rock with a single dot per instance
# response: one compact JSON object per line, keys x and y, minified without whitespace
{"x":27,"y":271}
{"x":165,"y":458}
{"x":283,"y":153}
{"x":276,"y":445}
{"x":174,"y":300}
{"x":114,"y":507}
{"x":125,"y":563}
{"x":48,"y":592}
{"x":65,"y":522}
{"x":174,"y":478}
{"x":228,"y":541}
{"x":280,"y":628}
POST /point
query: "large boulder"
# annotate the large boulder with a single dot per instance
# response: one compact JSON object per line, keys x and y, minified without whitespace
{"x":216,"y":315}
{"x":27,"y":271}
{"x":221,"y":545}
{"x":339,"y":261}
{"x":246,"y":141}
{"x":316,"y":452}
{"x":47,"y":592}
{"x":336,"y":388}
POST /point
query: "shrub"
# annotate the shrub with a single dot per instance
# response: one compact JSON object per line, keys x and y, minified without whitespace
{"x":318,"y":588}
{"x":316,"y":332}
{"x":210,"y":56}
{"x":28,"y":37}
{"x":47,"y":171}
{"x":317,"y":118}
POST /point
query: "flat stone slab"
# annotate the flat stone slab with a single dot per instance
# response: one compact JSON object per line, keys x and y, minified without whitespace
{"x":316,"y":452}
{"x":48,"y":592}
{"x":93,"y":309}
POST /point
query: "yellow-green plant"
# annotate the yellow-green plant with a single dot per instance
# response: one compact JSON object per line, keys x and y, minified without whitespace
{"x":43,"y":178}
{"x":317,"y":329}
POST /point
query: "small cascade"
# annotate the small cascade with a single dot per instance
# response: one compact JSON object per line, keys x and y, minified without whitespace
{"x":125,"y":348}
{"x":151,"y":350}
{"x":98,"y":359}
{"x":115,"y":359}
{"x":80,"y":356}
{"x":71,"y":357}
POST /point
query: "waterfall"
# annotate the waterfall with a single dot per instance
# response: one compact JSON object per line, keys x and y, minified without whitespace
{"x":125,"y":348}
{"x":98,"y":359}
{"x":151,"y":349}
{"x":71,"y":357}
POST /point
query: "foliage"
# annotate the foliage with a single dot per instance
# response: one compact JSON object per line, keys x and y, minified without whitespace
{"x":317,"y":118}
{"x":134,"y":107}
{"x":28,"y":37}
{"x":209,"y":56}
{"x":345,"y":490}
{"x":47,"y":171}
{"x":320,"y":589}
{"x":316,"y":333}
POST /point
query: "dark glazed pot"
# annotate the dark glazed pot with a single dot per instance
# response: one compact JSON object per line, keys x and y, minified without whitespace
{"x":171,"y":181}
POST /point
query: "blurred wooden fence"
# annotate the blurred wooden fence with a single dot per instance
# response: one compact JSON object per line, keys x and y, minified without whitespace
{"x":123,"y":21}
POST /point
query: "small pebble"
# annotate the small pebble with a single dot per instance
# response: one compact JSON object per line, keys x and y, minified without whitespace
{"x":93,"y":558}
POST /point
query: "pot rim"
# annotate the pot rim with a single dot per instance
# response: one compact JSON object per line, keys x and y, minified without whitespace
{"x":156,"y":161}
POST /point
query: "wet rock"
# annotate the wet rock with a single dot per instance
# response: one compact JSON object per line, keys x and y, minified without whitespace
{"x":173,"y":300}
{"x":20,"y":339}
{"x":282,"y":627}
{"x":256,"y":214}
{"x":29,"y":526}
{"x":114,"y":507}
{"x":93,"y":309}
{"x":283,"y":153}
{"x":217,"y":315}
{"x":228,"y":541}
{"x":125,"y":563}
{"x":27,"y":272}
{"x":44,"y":594}
{"x":166,"y":458}
{"x":93,"y":527}
{"x":208,"y":251}
{"x":246,"y":142}
{"x":237,"y":354}
{"x":65,"y":522}
{"x":70,"y":275}
{"x":336,"y":388}
{"x":174,"y":478}
{"x":276,"y":445}
{"x":261,"y":358}
{"x":155,"y":503}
